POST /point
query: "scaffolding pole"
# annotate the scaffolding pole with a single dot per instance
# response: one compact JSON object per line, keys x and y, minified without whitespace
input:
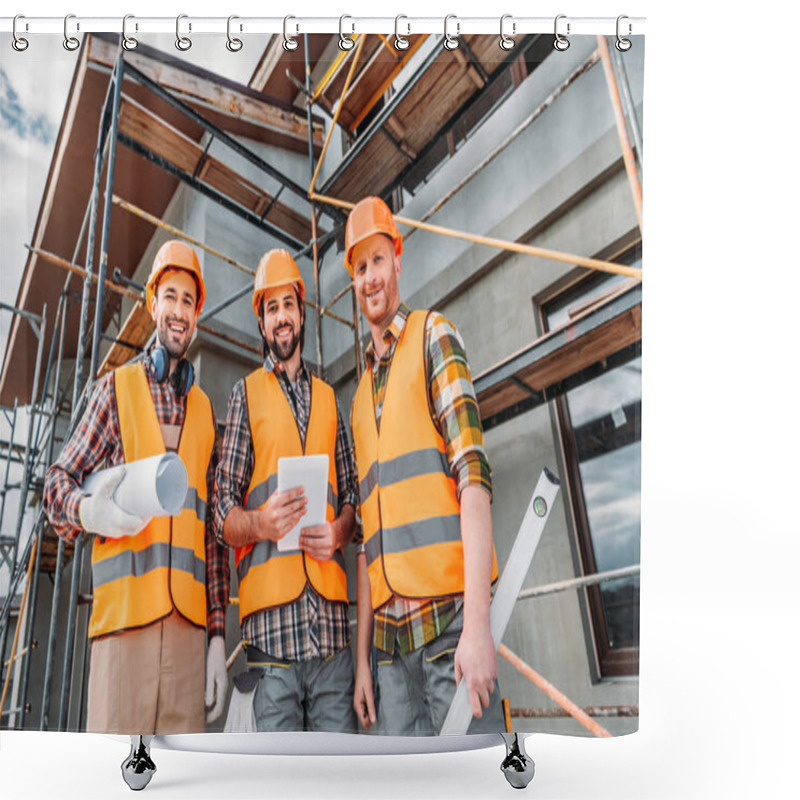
{"x":59,"y":566}
{"x":39,"y":324}
{"x":630,"y":107}
{"x":8,"y":471}
{"x":16,"y":634}
{"x":553,"y":693}
{"x":502,"y":244}
{"x":57,"y":399}
{"x":580,"y":583}
{"x":77,"y":557}
{"x":335,"y":117}
{"x":99,"y":305}
{"x":622,"y":129}
{"x":40,"y":526}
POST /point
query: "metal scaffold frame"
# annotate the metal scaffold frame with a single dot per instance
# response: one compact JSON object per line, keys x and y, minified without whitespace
{"x":47,"y":407}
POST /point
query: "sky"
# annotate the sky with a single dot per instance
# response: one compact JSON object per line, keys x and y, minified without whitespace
{"x":32,"y":99}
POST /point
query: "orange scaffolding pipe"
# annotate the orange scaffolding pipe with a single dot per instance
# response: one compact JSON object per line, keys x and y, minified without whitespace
{"x":336,"y":115}
{"x":622,"y":128}
{"x":553,"y":693}
{"x":20,"y":617}
{"x":514,"y":247}
{"x":334,"y":68}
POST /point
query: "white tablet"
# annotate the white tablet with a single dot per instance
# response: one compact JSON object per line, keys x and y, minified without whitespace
{"x":310,"y":472}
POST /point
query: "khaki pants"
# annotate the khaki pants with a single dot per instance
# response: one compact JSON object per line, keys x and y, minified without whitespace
{"x":148,"y":681}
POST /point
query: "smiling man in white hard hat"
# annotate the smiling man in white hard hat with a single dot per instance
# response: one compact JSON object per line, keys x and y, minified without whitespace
{"x":292,"y":603}
{"x":158,"y":585}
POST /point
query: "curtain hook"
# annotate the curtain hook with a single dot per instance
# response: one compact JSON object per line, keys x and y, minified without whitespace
{"x":183,"y":43}
{"x":71,"y":42}
{"x":506,"y":42}
{"x":345,"y":42}
{"x":451,"y":42}
{"x":18,"y":42}
{"x":234,"y":45}
{"x":129,"y":42}
{"x":400,"y":42}
{"x":289,"y":44}
{"x":561,"y":42}
{"x":623,"y":44}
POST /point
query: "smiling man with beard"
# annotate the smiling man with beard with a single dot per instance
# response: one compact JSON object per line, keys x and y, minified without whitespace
{"x":160,"y":584}
{"x":292,"y":603}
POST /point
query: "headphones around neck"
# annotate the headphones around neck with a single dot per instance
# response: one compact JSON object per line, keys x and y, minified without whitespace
{"x":183,"y":377}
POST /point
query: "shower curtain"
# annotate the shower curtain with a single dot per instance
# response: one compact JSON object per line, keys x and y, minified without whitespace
{"x":510,"y":168}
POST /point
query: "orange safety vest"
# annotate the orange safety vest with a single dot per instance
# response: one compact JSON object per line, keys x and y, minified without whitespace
{"x":140,"y":579}
{"x":409,"y":505}
{"x":269,"y":577}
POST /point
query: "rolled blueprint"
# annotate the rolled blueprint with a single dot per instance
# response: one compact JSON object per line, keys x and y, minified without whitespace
{"x":152,"y":487}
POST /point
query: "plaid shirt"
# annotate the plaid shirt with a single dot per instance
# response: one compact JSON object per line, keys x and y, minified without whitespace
{"x":403,"y":625}
{"x":97,"y":439}
{"x":311,"y":626}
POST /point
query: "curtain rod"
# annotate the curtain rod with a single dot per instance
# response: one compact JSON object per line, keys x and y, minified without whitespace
{"x":348,"y":25}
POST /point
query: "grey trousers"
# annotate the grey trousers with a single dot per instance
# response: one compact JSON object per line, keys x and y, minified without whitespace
{"x":415,"y":690}
{"x":313,"y":695}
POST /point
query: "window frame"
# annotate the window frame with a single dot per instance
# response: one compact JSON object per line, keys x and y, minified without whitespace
{"x":608,"y":662}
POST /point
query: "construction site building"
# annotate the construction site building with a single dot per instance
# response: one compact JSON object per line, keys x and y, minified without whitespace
{"x":523,"y":146}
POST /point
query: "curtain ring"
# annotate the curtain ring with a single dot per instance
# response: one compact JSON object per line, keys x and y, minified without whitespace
{"x":506,"y":42}
{"x":400,"y":42}
{"x":18,"y":42}
{"x":289,"y":44}
{"x":234,"y":45}
{"x":561,"y":42}
{"x":345,"y":42}
{"x":623,"y":44}
{"x":451,"y":42}
{"x":70,"y":42}
{"x":183,"y":43}
{"x":128,"y":42}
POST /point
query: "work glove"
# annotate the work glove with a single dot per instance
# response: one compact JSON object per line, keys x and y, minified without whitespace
{"x":216,"y":678}
{"x":100,"y":514}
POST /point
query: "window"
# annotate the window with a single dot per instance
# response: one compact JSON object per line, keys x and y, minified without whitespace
{"x":600,"y":428}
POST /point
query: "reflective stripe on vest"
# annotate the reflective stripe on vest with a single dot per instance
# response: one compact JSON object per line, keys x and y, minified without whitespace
{"x":140,"y":579}
{"x":269,"y":577}
{"x":409,"y":505}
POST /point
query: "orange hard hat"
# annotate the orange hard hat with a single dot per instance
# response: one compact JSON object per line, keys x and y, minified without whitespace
{"x":276,"y":268}
{"x":370,"y":215}
{"x":175,"y":255}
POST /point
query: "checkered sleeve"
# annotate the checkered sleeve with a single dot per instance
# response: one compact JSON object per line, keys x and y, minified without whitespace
{"x":236,"y":461}
{"x":345,"y":468}
{"x":218,"y":575}
{"x":455,"y":405}
{"x":91,"y":443}
{"x":358,"y":535}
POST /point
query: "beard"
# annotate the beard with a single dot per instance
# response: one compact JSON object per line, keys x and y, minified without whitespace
{"x":283,"y":350}
{"x":174,"y":345}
